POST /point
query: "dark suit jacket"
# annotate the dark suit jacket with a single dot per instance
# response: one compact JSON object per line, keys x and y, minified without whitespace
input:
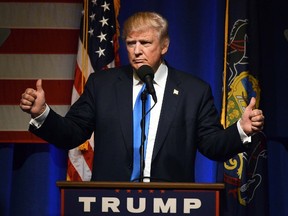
{"x":188,"y":121}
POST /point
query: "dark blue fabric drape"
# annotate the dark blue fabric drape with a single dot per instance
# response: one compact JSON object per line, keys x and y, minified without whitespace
{"x":29,"y":171}
{"x":28,"y":179}
{"x":274,"y":55}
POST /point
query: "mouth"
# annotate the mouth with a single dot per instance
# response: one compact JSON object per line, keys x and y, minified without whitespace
{"x":139,"y":61}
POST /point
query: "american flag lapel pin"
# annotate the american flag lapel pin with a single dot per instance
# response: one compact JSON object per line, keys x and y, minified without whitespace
{"x":175,"y":92}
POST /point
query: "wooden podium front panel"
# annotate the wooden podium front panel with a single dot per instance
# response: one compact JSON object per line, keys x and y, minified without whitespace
{"x":107,"y":199}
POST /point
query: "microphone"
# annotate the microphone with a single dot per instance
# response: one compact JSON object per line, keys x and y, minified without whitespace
{"x":146,"y":74}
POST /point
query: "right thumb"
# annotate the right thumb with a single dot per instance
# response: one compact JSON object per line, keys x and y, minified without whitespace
{"x":39,"y":85}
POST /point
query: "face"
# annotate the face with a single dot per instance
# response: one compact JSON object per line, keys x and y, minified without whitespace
{"x":145,"y":47}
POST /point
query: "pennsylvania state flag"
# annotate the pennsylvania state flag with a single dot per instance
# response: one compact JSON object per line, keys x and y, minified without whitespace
{"x":245,"y":175}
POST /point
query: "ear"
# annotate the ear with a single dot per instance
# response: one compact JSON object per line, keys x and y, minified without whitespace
{"x":165,"y":46}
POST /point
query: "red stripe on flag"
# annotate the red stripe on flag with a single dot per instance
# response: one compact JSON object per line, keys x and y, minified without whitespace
{"x":19,"y":137}
{"x":72,"y":173}
{"x":46,"y":1}
{"x":79,"y":80}
{"x":89,"y":156}
{"x":43,"y":41}
{"x":57,"y":92}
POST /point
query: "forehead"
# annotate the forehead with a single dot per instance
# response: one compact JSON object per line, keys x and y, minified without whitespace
{"x":148,"y":33}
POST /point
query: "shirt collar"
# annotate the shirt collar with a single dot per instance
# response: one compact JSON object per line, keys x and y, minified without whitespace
{"x":159,"y":77}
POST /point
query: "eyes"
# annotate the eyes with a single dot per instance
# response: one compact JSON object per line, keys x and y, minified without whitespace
{"x":133,"y":43}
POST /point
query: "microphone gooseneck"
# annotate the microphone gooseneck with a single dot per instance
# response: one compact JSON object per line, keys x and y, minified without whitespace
{"x":146,"y":74}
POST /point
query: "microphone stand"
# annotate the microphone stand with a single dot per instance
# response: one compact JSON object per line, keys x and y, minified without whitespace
{"x":143,"y":137}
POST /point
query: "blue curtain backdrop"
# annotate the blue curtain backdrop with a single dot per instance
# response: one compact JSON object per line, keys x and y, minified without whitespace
{"x":274,"y":50}
{"x":30,"y":171}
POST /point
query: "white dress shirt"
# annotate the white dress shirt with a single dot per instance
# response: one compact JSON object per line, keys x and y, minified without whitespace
{"x":160,"y":78}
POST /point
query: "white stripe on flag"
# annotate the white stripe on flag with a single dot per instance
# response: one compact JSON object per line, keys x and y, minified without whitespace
{"x":36,"y":66}
{"x":79,"y":162}
{"x":75,"y":95}
{"x":13,"y":119}
{"x":89,"y":69}
{"x":40,"y":15}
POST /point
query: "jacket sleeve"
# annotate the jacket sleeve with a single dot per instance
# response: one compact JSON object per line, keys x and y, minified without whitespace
{"x":77,"y":125}
{"x":215,"y":142}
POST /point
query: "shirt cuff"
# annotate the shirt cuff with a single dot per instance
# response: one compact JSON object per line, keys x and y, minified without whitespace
{"x":39,"y":120}
{"x":245,"y":139}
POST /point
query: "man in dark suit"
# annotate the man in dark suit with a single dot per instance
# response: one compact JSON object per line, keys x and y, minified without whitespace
{"x":183,"y":120}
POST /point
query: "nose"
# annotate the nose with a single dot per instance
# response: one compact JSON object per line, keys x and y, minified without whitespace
{"x":137,"y":49}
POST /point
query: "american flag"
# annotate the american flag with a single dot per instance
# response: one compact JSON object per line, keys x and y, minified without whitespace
{"x":97,"y":49}
{"x":37,"y":40}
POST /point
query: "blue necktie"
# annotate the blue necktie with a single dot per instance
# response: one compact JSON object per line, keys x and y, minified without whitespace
{"x":137,"y":116}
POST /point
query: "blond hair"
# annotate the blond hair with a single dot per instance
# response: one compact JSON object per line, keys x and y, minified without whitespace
{"x":141,"y":21}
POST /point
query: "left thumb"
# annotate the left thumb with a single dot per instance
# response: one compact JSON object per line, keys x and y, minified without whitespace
{"x":252,"y":103}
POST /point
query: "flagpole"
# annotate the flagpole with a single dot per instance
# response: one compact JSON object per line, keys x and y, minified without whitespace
{"x":224,"y":90}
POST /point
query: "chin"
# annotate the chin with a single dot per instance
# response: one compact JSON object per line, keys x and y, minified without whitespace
{"x":137,"y":65}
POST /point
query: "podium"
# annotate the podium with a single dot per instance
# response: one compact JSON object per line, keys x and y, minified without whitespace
{"x":130,"y":198}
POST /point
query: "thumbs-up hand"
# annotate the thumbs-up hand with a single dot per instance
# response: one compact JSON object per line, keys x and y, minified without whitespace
{"x":33,"y":101}
{"x":252,"y":119}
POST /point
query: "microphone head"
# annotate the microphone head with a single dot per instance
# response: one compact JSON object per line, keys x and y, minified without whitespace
{"x":145,"y":70}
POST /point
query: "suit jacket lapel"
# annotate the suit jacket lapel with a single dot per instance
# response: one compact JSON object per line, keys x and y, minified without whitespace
{"x":124,"y":91}
{"x":170,"y":101}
